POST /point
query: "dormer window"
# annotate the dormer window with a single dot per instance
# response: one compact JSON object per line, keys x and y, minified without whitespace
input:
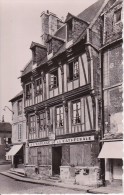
{"x":54,"y":79}
{"x":73,"y":70}
{"x":117,"y":15}
{"x":49,"y":47}
{"x":69,"y":30}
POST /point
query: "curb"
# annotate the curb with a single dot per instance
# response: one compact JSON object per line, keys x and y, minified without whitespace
{"x":17,"y":178}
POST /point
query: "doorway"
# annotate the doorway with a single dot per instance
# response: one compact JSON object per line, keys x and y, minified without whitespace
{"x":56,"y":160}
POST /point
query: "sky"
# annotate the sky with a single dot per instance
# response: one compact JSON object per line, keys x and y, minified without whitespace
{"x":19,"y":26}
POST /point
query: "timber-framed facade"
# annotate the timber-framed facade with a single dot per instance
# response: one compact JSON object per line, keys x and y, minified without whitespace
{"x":63,"y":96}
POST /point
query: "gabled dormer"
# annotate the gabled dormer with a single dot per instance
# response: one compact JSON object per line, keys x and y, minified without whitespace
{"x":53,"y":45}
{"x":75,"y":27}
{"x":39,"y":52}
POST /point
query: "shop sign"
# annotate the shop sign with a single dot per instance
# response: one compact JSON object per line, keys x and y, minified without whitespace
{"x":63,"y":141}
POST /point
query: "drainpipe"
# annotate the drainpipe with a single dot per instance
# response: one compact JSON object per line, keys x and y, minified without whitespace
{"x":102,"y":161}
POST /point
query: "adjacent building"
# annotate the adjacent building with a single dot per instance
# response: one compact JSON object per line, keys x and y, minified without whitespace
{"x":112,"y":89}
{"x":17,"y":154}
{"x":5,"y":140}
{"x":64,"y":88}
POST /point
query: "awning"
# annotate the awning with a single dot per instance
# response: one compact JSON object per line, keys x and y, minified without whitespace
{"x":13,"y":151}
{"x":112,"y":150}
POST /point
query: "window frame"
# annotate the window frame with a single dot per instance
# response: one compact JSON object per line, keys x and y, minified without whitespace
{"x":28,"y":96}
{"x":116,"y":15}
{"x":61,"y":116}
{"x":20,"y":110}
{"x":32,"y":128}
{"x":70,"y":30}
{"x":38,"y":91}
{"x":44,"y":121}
{"x":54,"y":84}
{"x":76,"y":110}
{"x":19,"y":132}
{"x":75,"y":75}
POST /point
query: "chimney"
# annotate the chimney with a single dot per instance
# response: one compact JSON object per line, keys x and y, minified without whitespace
{"x":50,"y":23}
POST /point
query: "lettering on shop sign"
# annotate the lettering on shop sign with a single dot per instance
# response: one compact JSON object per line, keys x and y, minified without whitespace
{"x":61,"y":141}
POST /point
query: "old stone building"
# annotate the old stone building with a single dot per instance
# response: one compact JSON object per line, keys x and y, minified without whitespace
{"x":112,"y":69}
{"x":17,"y":154}
{"x":5,"y":140}
{"x":63,"y":96}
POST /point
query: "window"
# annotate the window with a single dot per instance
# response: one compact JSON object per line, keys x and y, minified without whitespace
{"x":73,"y":70}
{"x":50,"y":47}
{"x":59,"y":117}
{"x":9,"y":140}
{"x":117,"y":15}
{"x":76,"y":112}
{"x":69,"y":30}
{"x":20,"y":107}
{"x":19,"y":131}
{"x":38,"y":87}
{"x":32,"y":124}
{"x":42,"y":123}
{"x":28,"y":91}
{"x":54,"y":79}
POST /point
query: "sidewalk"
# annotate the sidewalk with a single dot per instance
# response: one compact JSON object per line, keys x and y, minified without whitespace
{"x":86,"y":189}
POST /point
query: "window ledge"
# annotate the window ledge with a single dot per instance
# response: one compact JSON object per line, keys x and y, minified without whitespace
{"x":73,"y":80}
{"x":51,"y":89}
{"x":68,"y":44}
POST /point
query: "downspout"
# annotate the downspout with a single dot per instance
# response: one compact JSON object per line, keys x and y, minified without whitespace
{"x":102,"y":161}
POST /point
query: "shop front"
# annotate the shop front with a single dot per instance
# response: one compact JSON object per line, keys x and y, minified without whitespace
{"x":16,"y":155}
{"x":112,"y":152}
{"x":72,"y":159}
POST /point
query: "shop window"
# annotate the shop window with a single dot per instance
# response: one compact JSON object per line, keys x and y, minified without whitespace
{"x":42,"y":122}
{"x":28,"y":91}
{"x":38,"y":87}
{"x":59,"y":117}
{"x":20,"y":107}
{"x":117,"y":15}
{"x":69,"y":30}
{"x":73,"y":70}
{"x":19,"y":131}
{"x":32,"y":124}
{"x":54,"y":79}
{"x":76,"y":107}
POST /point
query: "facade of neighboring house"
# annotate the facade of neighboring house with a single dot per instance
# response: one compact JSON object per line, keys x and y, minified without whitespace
{"x":5,"y":140}
{"x":17,"y":154}
{"x":63,"y":96}
{"x":112,"y":69}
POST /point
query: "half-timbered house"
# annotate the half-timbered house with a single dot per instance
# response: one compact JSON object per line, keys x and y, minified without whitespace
{"x":62,"y":96}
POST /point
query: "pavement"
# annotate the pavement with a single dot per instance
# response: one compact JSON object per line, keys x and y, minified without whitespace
{"x":86,"y":189}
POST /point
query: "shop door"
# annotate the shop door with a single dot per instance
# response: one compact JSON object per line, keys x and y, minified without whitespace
{"x":117,"y":169}
{"x":56,"y":159}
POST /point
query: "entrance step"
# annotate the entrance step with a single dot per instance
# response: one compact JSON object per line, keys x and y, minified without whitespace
{"x":19,"y":172}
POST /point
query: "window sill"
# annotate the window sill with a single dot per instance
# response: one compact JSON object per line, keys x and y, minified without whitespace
{"x":51,"y":89}
{"x":73,"y":80}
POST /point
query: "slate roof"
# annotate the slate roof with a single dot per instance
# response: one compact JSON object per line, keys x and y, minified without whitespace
{"x":87,"y":15}
{"x":20,"y":94}
{"x":5,"y":127}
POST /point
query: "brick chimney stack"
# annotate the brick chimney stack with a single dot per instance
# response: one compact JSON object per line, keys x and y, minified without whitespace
{"x":50,"y":23}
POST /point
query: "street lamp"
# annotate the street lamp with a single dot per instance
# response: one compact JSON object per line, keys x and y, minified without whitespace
{"x":8,"y":109}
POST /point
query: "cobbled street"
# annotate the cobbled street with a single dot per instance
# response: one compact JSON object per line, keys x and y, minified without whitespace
{"x":11,"y":186}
